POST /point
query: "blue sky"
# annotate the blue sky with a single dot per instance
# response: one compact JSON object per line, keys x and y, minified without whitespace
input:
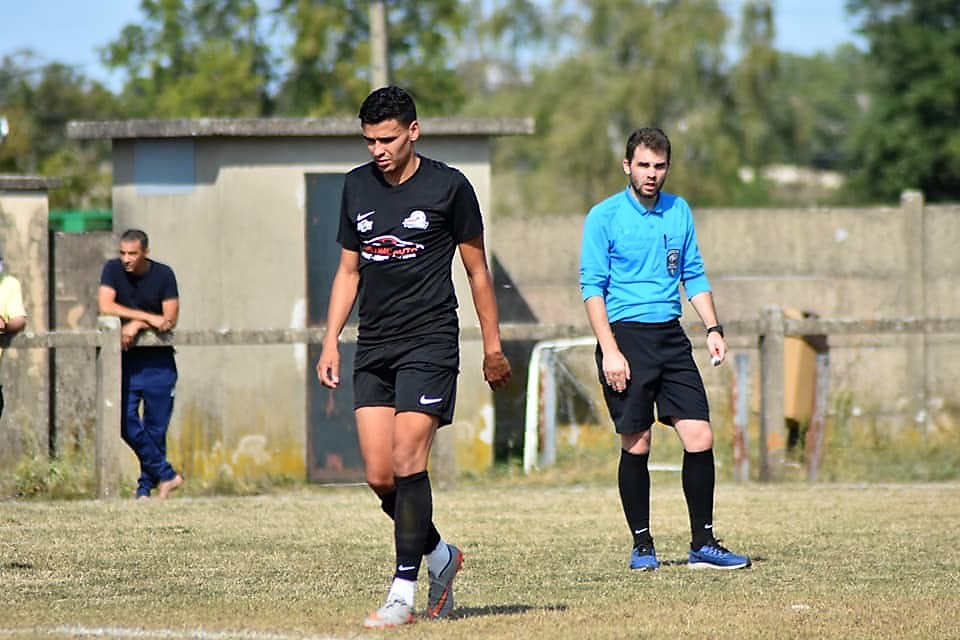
{"x":70,"y":31}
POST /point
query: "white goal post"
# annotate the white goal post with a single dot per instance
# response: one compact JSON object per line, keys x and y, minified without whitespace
{"x":542,"y":390}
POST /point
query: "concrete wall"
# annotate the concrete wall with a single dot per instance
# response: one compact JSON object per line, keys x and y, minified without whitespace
{"x":76,"y":261}
{"x":244,"y":408}
{"x":237,"y":245}
{"x":839,"y":262}
{"x":24,"y":374}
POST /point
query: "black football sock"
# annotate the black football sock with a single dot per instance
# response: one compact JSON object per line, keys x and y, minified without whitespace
{"x":699,"y":478}
{"x":414,"y":510}
{"x":388,"y":502}
{"x":633,"y":479}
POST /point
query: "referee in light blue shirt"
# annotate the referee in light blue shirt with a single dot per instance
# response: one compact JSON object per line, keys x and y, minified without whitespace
{"x":639,"y":245}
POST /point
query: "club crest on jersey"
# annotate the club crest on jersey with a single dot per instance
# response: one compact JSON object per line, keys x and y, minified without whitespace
{"x":416,"y":220}
{"x":365,"y":221}
{"x":673,"y":261}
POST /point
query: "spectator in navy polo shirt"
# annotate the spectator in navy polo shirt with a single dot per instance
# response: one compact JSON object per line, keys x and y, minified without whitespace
{"x":143,"y":293}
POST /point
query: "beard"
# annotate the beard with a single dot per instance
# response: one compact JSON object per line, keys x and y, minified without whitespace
{"x":638,"y":190}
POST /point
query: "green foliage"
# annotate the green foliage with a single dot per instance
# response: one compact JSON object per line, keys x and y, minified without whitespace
{"x":192,"y":58}
{"x":819,"y":100}
{"x":329,"y":59}
{"x":68,"y":477}
{"x":910,"y":137}
{"x":38,"y":100}
{"x":622,"y":75}
{"x":588,"y":71}
{"x":329,"y":41}
{"x":757,"y":107}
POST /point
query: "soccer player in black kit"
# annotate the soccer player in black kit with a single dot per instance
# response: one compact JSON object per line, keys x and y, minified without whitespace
{"x":402,"y":218}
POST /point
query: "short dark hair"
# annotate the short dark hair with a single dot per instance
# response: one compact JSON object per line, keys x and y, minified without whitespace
{"x":135,"y":234}
{"x":652,"y":138}
{"x":388,"y":103}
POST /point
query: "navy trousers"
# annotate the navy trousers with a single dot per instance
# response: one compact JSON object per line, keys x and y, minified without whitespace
{"x":148,"y":383}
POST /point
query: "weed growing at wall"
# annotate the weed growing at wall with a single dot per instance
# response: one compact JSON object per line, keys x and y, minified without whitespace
{"x":69,"y":477}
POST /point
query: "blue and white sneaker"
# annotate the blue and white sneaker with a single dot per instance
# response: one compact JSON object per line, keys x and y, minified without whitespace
{"x":644,"y":557}
{"x":713,"y":555}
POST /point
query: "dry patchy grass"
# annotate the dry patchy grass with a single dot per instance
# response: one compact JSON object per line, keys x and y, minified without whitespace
{"x":542,"y":561}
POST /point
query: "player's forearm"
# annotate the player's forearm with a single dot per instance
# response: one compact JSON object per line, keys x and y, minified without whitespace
{"x":343,"y":295}
{"x":485,"y":302}
{"x":171,"y":313}
{"x":600,"y":323}
{"x":703,"y":305}
{"x":127,"y":313}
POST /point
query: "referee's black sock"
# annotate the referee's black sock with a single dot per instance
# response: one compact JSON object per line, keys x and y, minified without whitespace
{"x":699,"y":478}
{"x":633,"y":478}
{"x":414,"y":511}
{"x":388,"y":502}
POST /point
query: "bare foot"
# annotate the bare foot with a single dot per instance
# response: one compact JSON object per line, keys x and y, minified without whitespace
{"x":143,"y":497}
{"x":164,"y":489}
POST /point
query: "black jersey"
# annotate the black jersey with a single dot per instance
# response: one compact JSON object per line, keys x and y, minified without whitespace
{"x":406,"y":236}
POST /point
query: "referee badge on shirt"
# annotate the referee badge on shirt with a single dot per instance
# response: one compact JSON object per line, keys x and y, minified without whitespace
{"x":673,"y":261}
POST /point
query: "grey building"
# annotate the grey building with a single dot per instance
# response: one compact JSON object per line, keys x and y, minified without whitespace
{"x":246,"y":213}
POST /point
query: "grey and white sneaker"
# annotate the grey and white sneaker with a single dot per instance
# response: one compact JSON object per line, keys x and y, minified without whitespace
{"x":394,"y":613}
{"x":440,"y":598}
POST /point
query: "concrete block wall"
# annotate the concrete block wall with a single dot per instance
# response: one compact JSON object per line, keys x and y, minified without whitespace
{"x":837,"y":262}
{"x":24,"y":374}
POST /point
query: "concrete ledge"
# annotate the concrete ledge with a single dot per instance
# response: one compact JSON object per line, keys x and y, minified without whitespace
{"x":345,"y":126}
{"x":15,"y":182}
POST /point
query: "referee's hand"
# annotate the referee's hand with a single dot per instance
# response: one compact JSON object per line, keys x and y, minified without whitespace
{"x":496,"y":369}
{"x":616,"y":371}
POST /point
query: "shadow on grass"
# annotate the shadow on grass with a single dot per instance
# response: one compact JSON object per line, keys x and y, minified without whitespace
{"x":502,"y":610}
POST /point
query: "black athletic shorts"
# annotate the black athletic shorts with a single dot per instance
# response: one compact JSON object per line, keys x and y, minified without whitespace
{"x":662,"y":373}
{"x":408,"y":376}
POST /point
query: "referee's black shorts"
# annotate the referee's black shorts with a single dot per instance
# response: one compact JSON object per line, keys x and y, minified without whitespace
{"x":662,"y":374}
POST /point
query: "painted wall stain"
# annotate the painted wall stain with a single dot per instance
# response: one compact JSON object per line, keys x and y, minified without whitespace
{"x":205,"y":449}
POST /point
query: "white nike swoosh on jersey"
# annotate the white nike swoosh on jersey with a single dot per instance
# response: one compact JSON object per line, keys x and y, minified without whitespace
{"x":425,"y":400}
{"x":365,"y":215}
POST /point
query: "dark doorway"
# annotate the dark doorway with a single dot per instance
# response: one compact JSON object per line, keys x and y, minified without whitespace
{"x":332,"y":451}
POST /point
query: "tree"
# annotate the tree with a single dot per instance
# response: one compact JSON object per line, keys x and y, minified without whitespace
{"x":910,"y":136}
{"x":39,"y":100}
{"x":191,"y":58}
{"x":329,"y":58}
{"x":631,"y":63}
{"x":759,"y":113}
{"x":820,"y":100}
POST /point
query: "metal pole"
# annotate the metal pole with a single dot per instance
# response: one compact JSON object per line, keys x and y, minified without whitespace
{"x":549,"y":433}
{"x":379,"y":62}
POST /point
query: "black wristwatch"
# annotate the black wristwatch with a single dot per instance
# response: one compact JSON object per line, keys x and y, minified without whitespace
{"x":718,"y":328}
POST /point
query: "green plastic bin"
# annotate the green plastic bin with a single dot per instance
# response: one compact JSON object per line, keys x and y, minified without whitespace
{"x":80,"y":220}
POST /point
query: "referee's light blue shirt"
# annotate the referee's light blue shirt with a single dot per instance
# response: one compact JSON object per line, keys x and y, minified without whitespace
{"x":636,"y":259}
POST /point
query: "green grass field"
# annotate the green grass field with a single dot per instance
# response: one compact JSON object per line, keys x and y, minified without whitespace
{"x":543,"y":560}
